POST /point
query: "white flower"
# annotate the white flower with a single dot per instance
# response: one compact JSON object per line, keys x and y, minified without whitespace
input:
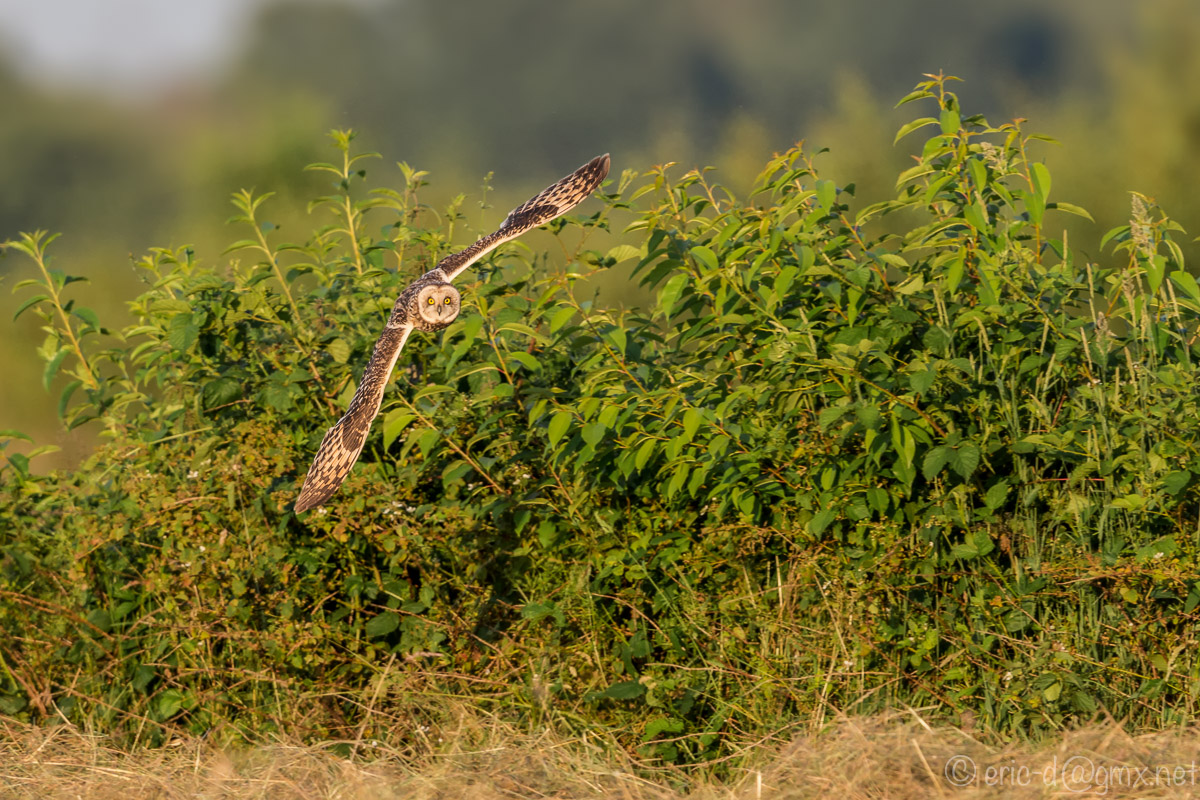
{"x":193,"y":474}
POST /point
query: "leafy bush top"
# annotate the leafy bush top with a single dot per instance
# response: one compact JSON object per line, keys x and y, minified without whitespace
{"x":922,"y":451}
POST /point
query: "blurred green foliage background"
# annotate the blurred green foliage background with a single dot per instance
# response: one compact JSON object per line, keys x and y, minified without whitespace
{"x":527,"y":90}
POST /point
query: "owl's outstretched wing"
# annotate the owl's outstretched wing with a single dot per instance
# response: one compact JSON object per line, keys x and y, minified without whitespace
{"x":552,"y":202}
{"x":344,"y":441}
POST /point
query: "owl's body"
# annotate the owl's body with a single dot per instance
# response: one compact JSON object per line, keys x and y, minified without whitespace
{"x":429,"y":303}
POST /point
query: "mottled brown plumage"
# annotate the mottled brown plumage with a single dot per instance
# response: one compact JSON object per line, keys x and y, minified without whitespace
{"x":429,"y":303}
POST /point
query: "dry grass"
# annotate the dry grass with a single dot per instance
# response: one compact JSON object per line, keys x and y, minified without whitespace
{"x":879,"y":757}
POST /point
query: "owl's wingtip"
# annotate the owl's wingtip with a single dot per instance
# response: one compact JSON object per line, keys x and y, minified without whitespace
{"x":308,"y":501}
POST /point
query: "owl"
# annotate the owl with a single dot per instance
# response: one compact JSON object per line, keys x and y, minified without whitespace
{"x":430,"y":303}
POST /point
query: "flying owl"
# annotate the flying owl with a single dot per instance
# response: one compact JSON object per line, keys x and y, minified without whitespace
{"x":430,"y":303}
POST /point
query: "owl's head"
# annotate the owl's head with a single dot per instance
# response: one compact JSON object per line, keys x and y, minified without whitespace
{"x":437,"y":305}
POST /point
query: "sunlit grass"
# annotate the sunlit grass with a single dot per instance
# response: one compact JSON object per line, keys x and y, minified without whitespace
{"x":896,"y":756}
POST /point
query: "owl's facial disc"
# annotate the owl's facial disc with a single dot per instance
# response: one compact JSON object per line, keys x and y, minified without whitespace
{"x":438,"y":303}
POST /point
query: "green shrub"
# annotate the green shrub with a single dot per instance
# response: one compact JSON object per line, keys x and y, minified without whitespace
{"x":922,"y":453}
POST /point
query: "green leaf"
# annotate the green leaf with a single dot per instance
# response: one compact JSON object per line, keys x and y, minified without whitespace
{"x":625,"y":690}
{"x":454,"y":472}
{"x":691,"y":423}
{"x":242,"y":244}
{"x":608,"y":417}
{"x":934,"y":460}
{"x":1160,"y":548}
{"x":670,"y":293}
{"x":525,"y":360}
{"x":277,"y":397}
{"x":19,"y":462}
{"x":996,"y":495}
{"x":560,"y":318}
{"x":878,"y":499}
{"x":978,"y":544}
{"x":1185,"y":281}
{"x":560,"y":421}
{"x":1193,"y":600}
{"x":220,"y":391}
{"x":182,"y":332}
{"x":909,"y":127}
{"x":617,"y":337}
{"x":428,"y":440}
{"x":382,"y":624}
{"x":950,"y":121}
{"x":1071,"y":208}
{"x":911,"y":285}
{"x":821,"y":520}
{"x":919,"y":94}
{"x":88,"y":316}
{"x":965,"y":459}
{"x":168,"y":703}
{"x":593,"y":433}
{"x":535,"y":612}
{"x":547,"y":533}
{"x":954,"y":271}
{"x":64,"y":398}
{"x":29,"y":301}
{"x":44,"y":449}
{"x":705,"y":258}
{"x":660,"y":725}
{"x":979,"y":173}
{"x":830,"y":415}
{"x":826,"y":194}
{"x":52,"y":366}
{"x":920,"y":382}
{"x":339,"y":350}
{"x":1176,"y":482}
{"x":1041,"y":180}
{"x":644,"y":452}
{"x":394,"y":424}
{"x":678,"y":478}
{"x":622,"y":252}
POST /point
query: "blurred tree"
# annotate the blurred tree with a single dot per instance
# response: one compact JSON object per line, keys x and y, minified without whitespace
{"x":471,"y":85}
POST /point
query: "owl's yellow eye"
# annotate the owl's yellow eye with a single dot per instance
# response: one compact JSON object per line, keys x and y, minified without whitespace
{"x":447,"y":301}
{"x":431,"y":301}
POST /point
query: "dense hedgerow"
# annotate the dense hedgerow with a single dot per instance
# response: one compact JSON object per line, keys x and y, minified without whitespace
{"x":921,"y":452}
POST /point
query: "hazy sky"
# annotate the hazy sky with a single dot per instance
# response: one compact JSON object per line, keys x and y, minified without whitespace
{"x":127,"y":46}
